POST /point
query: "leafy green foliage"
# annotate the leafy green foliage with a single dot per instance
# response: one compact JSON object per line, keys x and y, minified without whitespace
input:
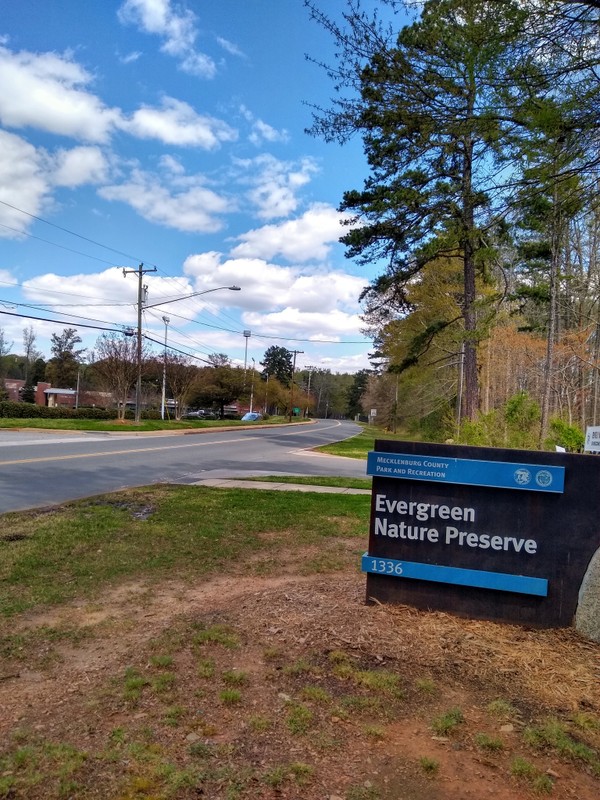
{"x":277,"y":363}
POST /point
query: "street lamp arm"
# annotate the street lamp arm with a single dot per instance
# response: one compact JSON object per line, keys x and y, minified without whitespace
{"x":194,"y":294}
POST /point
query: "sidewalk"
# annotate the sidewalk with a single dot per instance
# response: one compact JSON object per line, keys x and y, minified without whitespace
{"x":240,"y":483}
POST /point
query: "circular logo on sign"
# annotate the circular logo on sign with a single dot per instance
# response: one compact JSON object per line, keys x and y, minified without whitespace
{"x":543,"y":478}
{"x":522,"y":476}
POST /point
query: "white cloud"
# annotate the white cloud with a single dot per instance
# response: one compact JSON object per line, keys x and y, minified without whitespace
{"x":261,"y":131}
{"x":6,"y":277}
{"x":330,"y":326}
{"x":177,"y":28}
{"x":47,"y":91}
{"x":117,"y":295}
{"x":130,"y":58}
{"x":229,"y":47}
{"x":185,"y":204}
{"x":303,"y":239}
{"x":275,"y":183}
{"x":79,"y":166}
{"x":22,"y":183}
{"x":176,"y":123}
{"x":272,"y":288}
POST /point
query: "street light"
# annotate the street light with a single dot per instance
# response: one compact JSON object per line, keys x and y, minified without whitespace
{"x":252,"y":386}
{"x":166,"y":320}
{"x":194,"y":294}
{"x":247,"y":335}
{"x":142,"y":306}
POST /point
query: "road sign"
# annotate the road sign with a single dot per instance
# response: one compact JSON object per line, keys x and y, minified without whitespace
{"x":592,"y":439}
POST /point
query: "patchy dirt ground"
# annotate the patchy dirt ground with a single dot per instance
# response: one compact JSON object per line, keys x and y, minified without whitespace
{"x":291,"y":687}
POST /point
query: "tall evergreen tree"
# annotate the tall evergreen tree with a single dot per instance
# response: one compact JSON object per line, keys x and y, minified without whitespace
{"x":62,"y":368}
{"x":433,"y":117}
{"x":277,"y":363}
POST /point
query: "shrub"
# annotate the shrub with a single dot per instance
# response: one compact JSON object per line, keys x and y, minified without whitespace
{"x":11,"y":410}
{"x":570,"y":437}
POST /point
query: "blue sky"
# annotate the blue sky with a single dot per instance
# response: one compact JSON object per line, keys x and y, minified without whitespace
{"x":173,"y":134}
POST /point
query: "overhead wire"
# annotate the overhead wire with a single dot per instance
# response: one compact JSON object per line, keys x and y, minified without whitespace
{"x":159,"y":269}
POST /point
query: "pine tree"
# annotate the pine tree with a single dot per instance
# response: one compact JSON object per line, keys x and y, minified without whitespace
{"x":433,"y":117}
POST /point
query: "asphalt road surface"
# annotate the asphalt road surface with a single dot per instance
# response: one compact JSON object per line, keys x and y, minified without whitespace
{"x":41,"y":468}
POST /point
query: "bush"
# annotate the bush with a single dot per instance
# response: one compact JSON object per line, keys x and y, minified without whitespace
{"x":570,"y":437}
{"x":11,"y":410}
{"x":436,"y":426}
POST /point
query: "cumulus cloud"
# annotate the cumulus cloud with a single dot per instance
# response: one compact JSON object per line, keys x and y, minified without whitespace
{"x":79,"y":166}
{"x":183,"y":203}
{"x":272,"y":288}
{"x":176,"y":123}
{"x":23,"y":184}
{"x":306,"y":238}
{"x":261,"y":131}
{"x":285,"y":301}
{"x":275,"y":183}
{"x":302,"y":324}
{"x":107,"y":287}
{"x":177,"y":28}
{"x":7,"y":278}
{"x":48,"y":92}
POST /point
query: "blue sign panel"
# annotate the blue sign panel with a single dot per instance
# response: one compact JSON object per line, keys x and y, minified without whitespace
{"x":468,"y":472}
{"x":501,"y":581}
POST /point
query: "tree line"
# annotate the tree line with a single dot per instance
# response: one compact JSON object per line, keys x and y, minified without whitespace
{"x":479,"y":121}
{"x":106,"y":376}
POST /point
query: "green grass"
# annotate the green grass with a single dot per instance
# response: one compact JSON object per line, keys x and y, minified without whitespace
{"x":323,"y":480}
{"x":230,"y":697}
{"x":148,"y":425}
{"x":361,"y":444}
{"x":448,"y":722}
{"x":51,"y":556}
{"x":554,"y":734}
{"x":429,"y":765}
{"x":489,"y":743}
{"x":502,"y":708}
{"x":540,"y":782}
{"x":299,"y":719}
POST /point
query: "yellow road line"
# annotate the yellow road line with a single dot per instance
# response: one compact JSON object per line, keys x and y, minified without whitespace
{"x":122,"y":452}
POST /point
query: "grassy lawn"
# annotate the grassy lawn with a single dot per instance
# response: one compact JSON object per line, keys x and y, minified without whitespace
{"x":128,"y":425}
{"x":358,"y":446}
{"x":51,"y":556}
{"x":317,"y":480}
{"x":171,"y":643}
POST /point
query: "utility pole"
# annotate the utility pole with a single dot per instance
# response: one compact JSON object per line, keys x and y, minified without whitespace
{"x":166,"y":320}
{"x":140,"y":272}
{"x":266,"y":407}
{"x":295,"y":352}
{"x":310,"y":372}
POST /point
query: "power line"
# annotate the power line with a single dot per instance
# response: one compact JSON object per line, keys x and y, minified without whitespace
{"x":164,"y":272}
{"x":55,"y":244}
{"x":72,"y":233}
{"x":70,"y":323}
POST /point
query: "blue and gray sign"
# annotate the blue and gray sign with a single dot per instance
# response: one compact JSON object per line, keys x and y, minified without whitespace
{"x":483,"y":532}
{"x":468,"y":472}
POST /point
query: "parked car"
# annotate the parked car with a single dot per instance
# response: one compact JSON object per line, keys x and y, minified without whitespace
{"x":251,"y":416}
{"x":200,"y":414}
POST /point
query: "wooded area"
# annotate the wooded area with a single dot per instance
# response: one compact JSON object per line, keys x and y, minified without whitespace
{"x":479,"y":121}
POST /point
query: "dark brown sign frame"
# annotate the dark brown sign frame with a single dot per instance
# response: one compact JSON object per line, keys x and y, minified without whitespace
{"x":537,"y":536}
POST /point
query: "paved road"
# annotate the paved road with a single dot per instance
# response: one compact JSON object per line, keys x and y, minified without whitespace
{"x":39,"y":469}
